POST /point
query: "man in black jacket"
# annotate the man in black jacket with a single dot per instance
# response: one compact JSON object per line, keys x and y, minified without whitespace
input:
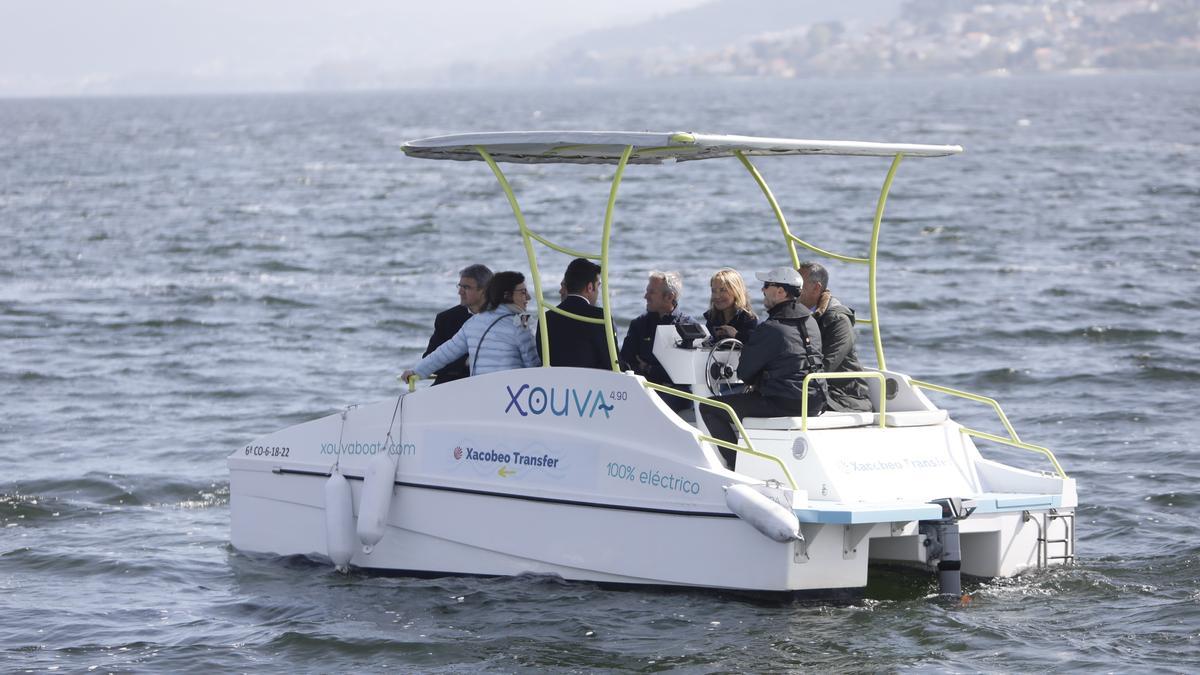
{"x":473,"y":279}
{"x":575,"y":343}
{"x":662,"y":309}
{"x":780,"y":352}
{"x":836,"y":322}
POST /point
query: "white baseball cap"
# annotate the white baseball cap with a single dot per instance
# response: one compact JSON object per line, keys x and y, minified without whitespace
{"x":781,"y":275}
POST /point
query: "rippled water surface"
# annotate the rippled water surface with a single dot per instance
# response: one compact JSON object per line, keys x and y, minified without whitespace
{"x":180,"y":275}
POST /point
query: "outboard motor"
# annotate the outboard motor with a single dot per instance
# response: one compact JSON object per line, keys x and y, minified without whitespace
{"x":942,"y":538}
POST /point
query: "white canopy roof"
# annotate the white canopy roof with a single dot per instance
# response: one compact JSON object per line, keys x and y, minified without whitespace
{"x":605,"y":147}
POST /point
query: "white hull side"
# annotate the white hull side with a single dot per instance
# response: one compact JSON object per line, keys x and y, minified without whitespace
{"x":438,"y":531}
{"x":535,"y":479}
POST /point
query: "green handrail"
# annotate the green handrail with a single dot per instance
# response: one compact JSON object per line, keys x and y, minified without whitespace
{"x":1013,"y":440}
{"x":850,"y":374}
{"x":971,"y":397}
{"x":748,"y":448}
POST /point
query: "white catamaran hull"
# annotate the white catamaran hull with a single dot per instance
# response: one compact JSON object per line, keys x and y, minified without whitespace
{"x":587,"y":475}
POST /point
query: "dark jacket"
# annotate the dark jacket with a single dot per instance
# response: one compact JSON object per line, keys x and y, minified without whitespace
{"x":743,"y":322}
{"x":578,"y":344}
{"x":445,"y":325}
{"x":837,"y":344}
{"x":776,"y":358}
{"x":639,"y":342}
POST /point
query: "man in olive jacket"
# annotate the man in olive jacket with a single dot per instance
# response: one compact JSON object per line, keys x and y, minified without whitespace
{"x":837,"y":340}
{"x":780,"y":352}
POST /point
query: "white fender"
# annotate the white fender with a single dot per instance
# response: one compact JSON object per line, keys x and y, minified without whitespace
{"x":378,"y":486}
{"x":765,"y":515}
{"x":339,"y":520}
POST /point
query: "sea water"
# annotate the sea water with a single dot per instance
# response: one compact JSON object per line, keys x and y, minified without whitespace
{"x":181,"y":275}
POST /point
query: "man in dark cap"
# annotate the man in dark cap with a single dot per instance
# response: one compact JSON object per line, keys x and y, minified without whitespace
{"x":780,"y":352}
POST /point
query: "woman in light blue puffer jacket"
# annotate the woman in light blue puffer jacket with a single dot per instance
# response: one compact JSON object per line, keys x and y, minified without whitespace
{"x":497,"y":338}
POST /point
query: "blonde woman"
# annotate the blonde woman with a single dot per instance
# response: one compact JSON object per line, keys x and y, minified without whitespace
{"x":729,"y":314}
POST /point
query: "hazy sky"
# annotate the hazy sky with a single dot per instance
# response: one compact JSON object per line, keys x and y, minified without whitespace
{"x":67,"y":47}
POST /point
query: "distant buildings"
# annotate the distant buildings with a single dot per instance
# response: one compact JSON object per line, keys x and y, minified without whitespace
{"x":935,"y":36}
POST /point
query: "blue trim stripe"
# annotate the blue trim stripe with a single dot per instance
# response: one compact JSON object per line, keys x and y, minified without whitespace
{"x":851,"y":514}
{"x":841,"y":513}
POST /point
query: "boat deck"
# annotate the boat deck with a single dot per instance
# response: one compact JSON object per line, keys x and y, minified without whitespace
{"x":842,"y":513}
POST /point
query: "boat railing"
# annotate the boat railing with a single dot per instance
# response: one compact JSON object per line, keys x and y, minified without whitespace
{"x":748,"y":448}
{"x":1013,"y":439}
{"x":851,"y":374}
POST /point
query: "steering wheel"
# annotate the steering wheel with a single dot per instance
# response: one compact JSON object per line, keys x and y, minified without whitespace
{"x":718,"y":370}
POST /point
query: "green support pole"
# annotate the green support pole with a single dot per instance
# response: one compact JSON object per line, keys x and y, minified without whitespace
{"x":788,"y":237}
{"x":604,"y":247}
{"x":529,"y":252}
{"x":874,"y":258}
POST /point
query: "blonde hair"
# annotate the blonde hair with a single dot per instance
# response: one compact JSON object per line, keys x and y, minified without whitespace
{"x":729,"y":278}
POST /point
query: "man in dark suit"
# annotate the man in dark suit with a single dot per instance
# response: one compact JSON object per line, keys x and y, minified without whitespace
{"x":472,"y":281}
{"x":575,"y":343}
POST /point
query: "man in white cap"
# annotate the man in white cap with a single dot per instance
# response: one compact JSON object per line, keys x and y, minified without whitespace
{"x":780,"y":352}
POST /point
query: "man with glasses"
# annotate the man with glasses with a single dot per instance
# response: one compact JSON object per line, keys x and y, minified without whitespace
{"x":780,"y":352}
{"x":472,"y":282}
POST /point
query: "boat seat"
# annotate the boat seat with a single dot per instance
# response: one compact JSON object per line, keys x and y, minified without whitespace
{"x":830,"y":420}
{"x":915,"y":418}
{"x":845,"y":420}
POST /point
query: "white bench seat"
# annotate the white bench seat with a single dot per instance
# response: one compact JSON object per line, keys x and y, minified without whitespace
{"x":845,"y":420}
{"x":915,"y":418}
{"x":830,"y":420}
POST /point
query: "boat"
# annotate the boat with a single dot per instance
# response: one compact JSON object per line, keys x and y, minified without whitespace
{"x":587,"y":475}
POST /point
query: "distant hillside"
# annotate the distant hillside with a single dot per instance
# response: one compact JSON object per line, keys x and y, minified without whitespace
{"x":721,"y":22}
{"x":778,"y":38}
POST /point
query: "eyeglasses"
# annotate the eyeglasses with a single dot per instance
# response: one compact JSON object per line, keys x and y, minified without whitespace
{"x":522,"y":291}
{"x":768,"y":285}
{"x":464,"y":287}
